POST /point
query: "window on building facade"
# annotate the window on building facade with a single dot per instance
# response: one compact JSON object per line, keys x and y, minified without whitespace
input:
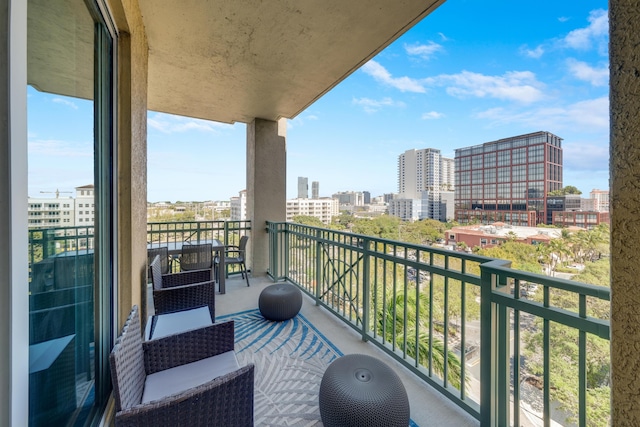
{"x":519,"y":156}
{"x":504,"y":158}
{"x":489,"y":176}
{"x":490,"y":160}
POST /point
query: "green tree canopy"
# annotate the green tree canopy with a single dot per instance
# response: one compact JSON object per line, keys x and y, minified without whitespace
{"x":569,"y":189}
{"x":308,"y":220}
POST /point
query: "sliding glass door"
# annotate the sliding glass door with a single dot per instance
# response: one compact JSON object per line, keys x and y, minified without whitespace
{"x":70,"y":210}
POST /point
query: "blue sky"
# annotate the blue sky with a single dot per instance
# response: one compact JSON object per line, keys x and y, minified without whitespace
{"x":469,"y":73}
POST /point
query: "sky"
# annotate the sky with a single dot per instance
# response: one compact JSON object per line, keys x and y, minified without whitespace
{"x":469,"y":73}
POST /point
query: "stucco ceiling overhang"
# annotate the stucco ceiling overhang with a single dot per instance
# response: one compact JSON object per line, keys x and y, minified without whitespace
{"x":233,"y":61}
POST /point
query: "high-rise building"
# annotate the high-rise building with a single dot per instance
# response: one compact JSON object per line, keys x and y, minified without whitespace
{"x":508,"y":180}
{"x":85,"y":205}
{"x":51,"y":212}
{"x":600,"y":200}
{"x":238,"y":206}
{"x":353,"y":198}
{"x":315,"y":190}
{"x":422,"y":175}
{"x":63,"y":211}
{"x":303,"y":187}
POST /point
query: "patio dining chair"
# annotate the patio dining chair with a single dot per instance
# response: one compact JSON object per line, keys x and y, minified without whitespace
{"x":183,"y":290}
{"x":236,"y":255}
{"x":197,"y":257}
{"x":165,"y":261}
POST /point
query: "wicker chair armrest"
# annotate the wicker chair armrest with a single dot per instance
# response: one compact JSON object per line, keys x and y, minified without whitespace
{"x":168,"y":300}
{"x":186,"y":347}
{"x":224,"y":401}
{"x":186,"y":277}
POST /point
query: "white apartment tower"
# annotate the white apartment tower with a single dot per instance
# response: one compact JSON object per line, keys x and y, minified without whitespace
{"x":51,"y":212}
{"x":422,"y":175}
{"x":63,"y":211}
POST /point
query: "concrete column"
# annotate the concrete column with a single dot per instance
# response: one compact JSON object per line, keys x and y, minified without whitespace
{"x":132,"y":159}
{"x":624,"y":59}
{"x":266,"y":185}
{"x":14,"y":279}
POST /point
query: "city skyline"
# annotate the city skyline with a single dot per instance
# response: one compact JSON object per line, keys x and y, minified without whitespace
{"x":467,"y":74}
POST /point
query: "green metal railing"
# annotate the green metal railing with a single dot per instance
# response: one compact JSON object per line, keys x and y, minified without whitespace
{"x":228,"y":232}
{"x":47,"y":242}
{"x":467,"y":325}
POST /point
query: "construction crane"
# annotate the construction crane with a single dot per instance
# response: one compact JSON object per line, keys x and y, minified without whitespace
{"x":57,"y":192}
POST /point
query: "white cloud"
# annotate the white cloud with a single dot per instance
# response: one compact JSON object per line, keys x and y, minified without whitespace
{"x":380,"y":74}
{"x":596,"y":32}
{"x":425,"y":51}
{"x":588,"y":115}
{"x":431,"y":115}
{"x":443,"y":37}
{"x":535,"y":53}
{"x":372,"y":105}
{"x":65,"y":102}
{"x":299,"y":120}
{"x":563,"y":19}
{"x":519,"y":86}
{"x":583,"y":71}
{"x":167,"y":123}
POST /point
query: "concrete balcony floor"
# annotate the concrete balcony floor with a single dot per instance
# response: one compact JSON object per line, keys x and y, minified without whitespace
{"x":428,"y":406}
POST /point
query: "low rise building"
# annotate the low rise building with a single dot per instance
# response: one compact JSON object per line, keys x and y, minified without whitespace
{"x":324,"y":208}
{"x":587,"y":220}
{"x":486,"y":236}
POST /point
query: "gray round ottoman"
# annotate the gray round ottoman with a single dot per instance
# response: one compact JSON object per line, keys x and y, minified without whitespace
{"x":360,"y":390}
{"x":281,"y":301}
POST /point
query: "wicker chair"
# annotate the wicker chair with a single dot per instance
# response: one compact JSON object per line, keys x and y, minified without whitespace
{"x":188,"y":379}
{"x":183,"y":290}
{"x":197,"y":257}
{"x":236,"y":255}
{"x":165,"y":261}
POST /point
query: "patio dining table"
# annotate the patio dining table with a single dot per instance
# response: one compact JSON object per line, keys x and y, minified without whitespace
{"x":175,"y":248}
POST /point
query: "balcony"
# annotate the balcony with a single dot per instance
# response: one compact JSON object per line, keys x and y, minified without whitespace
{"x":399,"y":301}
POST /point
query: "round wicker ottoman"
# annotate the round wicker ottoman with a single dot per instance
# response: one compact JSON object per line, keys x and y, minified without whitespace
{"x":360,"y":390}
{"x":281,"y":301}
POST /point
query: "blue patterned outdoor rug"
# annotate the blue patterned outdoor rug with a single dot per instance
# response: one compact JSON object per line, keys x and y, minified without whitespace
{"x":290,"y":358}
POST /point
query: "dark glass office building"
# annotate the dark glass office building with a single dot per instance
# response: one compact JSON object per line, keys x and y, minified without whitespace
{"x":508,"y":180}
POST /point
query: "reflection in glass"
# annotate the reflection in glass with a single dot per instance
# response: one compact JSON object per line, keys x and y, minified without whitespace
{"x":60,"y":59}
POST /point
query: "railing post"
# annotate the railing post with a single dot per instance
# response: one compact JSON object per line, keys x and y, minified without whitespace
{"x":494,"y":379}
{"x":366,"y":288}
{"x":286,"y":249}
{"x":318,"y":289}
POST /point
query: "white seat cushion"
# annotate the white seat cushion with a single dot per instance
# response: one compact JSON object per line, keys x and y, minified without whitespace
{"x":181,"y":321}
{"x":181,"y":378}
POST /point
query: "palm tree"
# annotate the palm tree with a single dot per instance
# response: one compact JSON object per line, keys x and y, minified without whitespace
{"x":559,"y":250}
{"x":391,"y":322}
